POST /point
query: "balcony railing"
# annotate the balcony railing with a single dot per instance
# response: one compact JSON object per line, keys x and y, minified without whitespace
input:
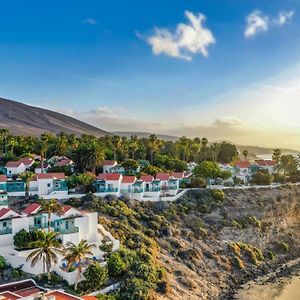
{"x":38,"y":226}
{"x":173,"y":188}
{"x":66,"y":231}
{"x":107,"y":190}
{"x":6,"y":230}
{"x":4,"y":202}
{"x":153,"y":189}
{"x":58,"y":189}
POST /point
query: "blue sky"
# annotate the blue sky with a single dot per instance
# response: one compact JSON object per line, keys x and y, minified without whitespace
{"x":95,"y":60}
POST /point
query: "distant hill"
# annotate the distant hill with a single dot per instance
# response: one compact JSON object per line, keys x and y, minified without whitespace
{"x":164,"y":137}
{"x":22,"y":119}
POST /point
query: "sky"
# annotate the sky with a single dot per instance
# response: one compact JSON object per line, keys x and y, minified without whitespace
{"x":224,"y":69}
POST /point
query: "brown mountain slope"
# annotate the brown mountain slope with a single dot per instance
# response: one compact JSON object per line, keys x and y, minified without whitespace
{"x":23,"y":119}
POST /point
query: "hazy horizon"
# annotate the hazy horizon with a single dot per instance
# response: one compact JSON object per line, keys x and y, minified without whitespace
{"x":186,"y":69}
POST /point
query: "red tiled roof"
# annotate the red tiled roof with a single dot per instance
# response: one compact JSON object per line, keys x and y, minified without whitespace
{"x":262,"y":162}
{"x":13,"y":164}
{"x":31,"y":208}
{"x":63,"y":162}
{"x":109,"y":176}
{"x":28,"y":292}
{"x":2,"y":178}
{"x":129,"y":179}
{"x":27,"y":161}
{"x":66,"y":208}
{"x":89,"y":298}
{"x":109,"y":162}
{"x":178,"y":175}
{"x":60,"y":176}
{"x":147,"y":178}
{"x":9,"y":296}
{"x":243,"y":164}
{"x":162,"y":176}
{"x":63,"y":296}
{"x":4,"y":211}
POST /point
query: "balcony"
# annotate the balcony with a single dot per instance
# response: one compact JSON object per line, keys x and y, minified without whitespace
{"x":3,"y":202}
{"x":6,"y":230}
{"x":153,"y":189}
{"x":107,"y":190}
{"x":172,"y":188}
{"x":38,"y":226}
{"x":66,"y":231}
{"x":137,"y":191}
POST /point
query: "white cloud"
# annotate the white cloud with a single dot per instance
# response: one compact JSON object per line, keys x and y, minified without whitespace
{"x":256,"y":22}
{"x":187,"y":40}
{"x":90,"y":21}
{"x":284,"y":16}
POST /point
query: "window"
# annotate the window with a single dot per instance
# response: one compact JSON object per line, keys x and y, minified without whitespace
{"x":48,"y":185}
{"x":4,"y":224}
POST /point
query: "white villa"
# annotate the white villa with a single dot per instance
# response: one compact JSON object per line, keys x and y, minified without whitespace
{"x":15,"y":168}
{"x":73,"y":225}
{"x":108,"y":165}
{"x":49,"y":185}
{"x":145,"y":188}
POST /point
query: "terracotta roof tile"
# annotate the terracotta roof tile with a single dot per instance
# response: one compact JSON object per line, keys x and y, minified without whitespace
{"x":13,"y":164}
{"x":109,"y":163}
{"x":31,"y":208}
{"x":27,"y":161}
{"x":162,"y":176}
{"x":109,"y":176}
{"x":178,"y":175}
{"x":2,"y":178}
{"x":147,"y":178}
{"x":60,"y":176}
{"x":243,"y":164}
{"x":4,"y":211}
{"x":129,"y":179}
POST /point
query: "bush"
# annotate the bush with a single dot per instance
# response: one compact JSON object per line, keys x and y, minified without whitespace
{"x":218,"y":195}
{"x":95,"y":277}
{"x":116,"y":266}
{"x":3,"y":264}
{"x":262,"y":177}
{"x":23,"y":238}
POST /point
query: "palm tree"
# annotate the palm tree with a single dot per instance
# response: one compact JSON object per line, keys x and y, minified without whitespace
{"x":95,"y":155}
{"x":47,"y":247}
{"x":51,"y":207}
{"x":12,"y":143}
{"x":153,"y":144}
{"x":276,"y":157}
{"x":215,"y":150}
{"x":77,"y":255}
{"x":41,"y":147}
{"x":3,"y":133}
{"x":204,"y":143}
{"x":116,"y":142}
{"x":245,"y":153}
{"x":184,"y":142}
{"x":133,"y":145}
{"x":27,"y":177}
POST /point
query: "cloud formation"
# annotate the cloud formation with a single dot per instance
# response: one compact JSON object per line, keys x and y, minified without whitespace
{"x":90,"y":21}
{"x":187,"y":40}
{"x":256,"y":22}
{"x":284,"y":16}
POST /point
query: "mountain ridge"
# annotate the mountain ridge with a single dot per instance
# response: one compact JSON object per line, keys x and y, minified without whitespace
{"x":23,"y":119}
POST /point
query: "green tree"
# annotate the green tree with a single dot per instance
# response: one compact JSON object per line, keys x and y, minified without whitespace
{"x":208,"y":170}
{"x":204,"y":143}
{"x":50,"y":207}
{"x":227,"y":153}
{"x":95,"y":276}
{"x":76,"y":255}
{"x":245,"y":153}
{"x":47,"y":247}
{"x":27,"y":177}
{"x":153,"y":145}
{"x":116,"y":266}
{"x":133,"y":145}
{"x":116,"y":143}
{"x":130,"y":166}
{"x":276,"y":157}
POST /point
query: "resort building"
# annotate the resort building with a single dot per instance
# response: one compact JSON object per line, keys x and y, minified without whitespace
{"x":108,"y":165}
{"x":49,"y":185}
{"x":72,"y":225}
{"x":13,"y":188}
{"x":15,"y":168}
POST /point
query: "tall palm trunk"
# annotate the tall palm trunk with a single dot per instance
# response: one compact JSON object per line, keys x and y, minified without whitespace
{"x":78,"y":277}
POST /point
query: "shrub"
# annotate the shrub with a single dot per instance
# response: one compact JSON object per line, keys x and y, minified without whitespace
{"x":3,"y":264}
{"x":116,"y":266}
{"x":284,"y":247}
{"x":23,"y":238}
{"x":218,"y":195}
{"x":95,"y":276}
{"x":262,"y":177}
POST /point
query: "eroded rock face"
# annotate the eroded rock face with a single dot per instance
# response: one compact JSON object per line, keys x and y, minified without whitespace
{"x":196,"y":252}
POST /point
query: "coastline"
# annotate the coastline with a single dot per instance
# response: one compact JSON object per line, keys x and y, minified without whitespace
{"x":268,"y":279}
